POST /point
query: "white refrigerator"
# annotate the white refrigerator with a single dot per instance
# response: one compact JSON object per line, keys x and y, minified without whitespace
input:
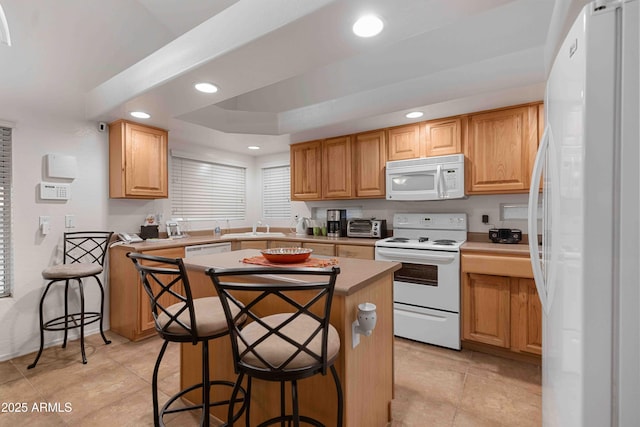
{"x":587,"y":270}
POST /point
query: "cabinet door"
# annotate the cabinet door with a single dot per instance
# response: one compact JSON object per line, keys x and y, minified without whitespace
{"x":137,"y":161}
{"x":306,"y":171}
{"x":336,"y":168}
{"x":146,"y":318}
{"x":353,"y":251}
{"x":403,"y":142}
{"x":528,"y":312}
{"x":501,"y":150}
{"x":443,"y":137}
{"x":486,"y":309}
{"x":320,"y":248}
{"x":370,"y":160}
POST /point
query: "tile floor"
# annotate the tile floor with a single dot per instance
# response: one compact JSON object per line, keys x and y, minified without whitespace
{"x":434,"y":387}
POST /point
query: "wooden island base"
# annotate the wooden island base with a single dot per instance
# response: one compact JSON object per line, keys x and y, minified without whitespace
{"x":366,"y":372}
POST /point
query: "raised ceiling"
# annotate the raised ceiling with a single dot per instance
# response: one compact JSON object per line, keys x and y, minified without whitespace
{"x":289,"y":69}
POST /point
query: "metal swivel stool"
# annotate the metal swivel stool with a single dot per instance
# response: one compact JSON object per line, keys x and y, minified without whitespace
{"x":178,"y":317}
{"x":295,"y":343}
{"x":84,"y":255}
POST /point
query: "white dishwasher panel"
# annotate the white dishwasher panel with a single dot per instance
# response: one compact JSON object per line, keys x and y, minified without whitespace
{"x":206,"y":249}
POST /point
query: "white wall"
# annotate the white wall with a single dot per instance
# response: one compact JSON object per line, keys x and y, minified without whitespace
{"x":32,"y":140}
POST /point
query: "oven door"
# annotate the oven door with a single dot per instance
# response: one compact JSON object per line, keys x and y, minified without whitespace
{"x":428,"y":278}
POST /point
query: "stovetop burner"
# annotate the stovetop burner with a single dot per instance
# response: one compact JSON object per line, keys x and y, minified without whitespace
{"x":398,"y":239}
{"x":445,"y":242}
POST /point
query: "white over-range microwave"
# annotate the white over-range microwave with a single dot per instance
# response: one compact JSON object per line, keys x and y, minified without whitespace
{"x":429,"y":178}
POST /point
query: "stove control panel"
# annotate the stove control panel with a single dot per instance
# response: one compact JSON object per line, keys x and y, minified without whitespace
{"x":438,"y":221}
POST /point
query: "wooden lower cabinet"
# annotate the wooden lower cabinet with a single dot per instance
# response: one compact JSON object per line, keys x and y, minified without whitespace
{"x":353,"y":251}
{"x":527,"y":315}
{"x":500,"y":310}
{"x":253,"y":244}
{"x":130,"y":308}
{"x":487,"y":309}
{"x":321,"y":248}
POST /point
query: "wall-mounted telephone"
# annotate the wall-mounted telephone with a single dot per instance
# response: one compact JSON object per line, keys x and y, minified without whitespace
{"x":129,"y":238}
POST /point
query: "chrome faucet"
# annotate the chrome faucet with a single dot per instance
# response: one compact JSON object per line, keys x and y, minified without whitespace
{"x":259,"y":224}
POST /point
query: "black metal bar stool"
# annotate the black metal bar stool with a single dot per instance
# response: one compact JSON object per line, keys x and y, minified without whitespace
{"x":295,"y":343}
{"x":180,"y":318}
{"x":84,"y":255}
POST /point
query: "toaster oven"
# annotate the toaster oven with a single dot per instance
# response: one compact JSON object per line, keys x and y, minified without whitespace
{"x":369,"y":228}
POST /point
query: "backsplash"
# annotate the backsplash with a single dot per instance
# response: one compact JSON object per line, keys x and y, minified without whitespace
{"x":473,"y":206}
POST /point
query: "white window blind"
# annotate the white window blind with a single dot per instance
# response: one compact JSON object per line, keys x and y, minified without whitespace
{"x":6,"y":256}
{"x":205,"y":190}
{"x":276,"y":199}
{"x":276,"y":192}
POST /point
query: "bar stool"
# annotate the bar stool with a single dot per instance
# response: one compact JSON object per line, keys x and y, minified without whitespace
{"x":294,"y":343}
{"x":84,"y":255}
{"x":178,"y":317}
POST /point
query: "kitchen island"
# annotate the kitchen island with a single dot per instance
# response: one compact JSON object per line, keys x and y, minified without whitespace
{"x":366,"y":371}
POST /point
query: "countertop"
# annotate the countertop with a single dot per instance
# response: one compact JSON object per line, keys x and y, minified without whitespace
{"x":355,"y":274}
{"x":204,"y":239}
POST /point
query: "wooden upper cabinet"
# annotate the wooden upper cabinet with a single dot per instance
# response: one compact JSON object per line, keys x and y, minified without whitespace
{"x":403,"y":142}
{"x":336,"y":168}
{"x":137,"y":161}
{"x":501,"y":150}
{"x":370,"y":161}
{"x":443,"y":137}
{"x":306,"y":171}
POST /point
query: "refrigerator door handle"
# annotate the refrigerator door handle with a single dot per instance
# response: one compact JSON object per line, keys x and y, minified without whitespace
{"x":438,"y":184}
{"x":534,"y":252}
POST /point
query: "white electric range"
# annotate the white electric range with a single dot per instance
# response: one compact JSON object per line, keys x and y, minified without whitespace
{"x":427,"y":287}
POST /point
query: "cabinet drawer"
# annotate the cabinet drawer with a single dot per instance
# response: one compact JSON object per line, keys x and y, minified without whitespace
{"x":320,"y":248}
{"x":352,"y":251}
{"x":497,"y":265}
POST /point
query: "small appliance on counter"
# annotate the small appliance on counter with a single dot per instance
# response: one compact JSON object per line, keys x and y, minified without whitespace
{"x":505,"y":235}
{"x":149,"y":232}
{"x":369,"y":228}
{"x":336,"y":222}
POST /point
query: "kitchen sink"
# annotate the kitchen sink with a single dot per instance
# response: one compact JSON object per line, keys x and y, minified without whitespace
{"x":257,"y":234}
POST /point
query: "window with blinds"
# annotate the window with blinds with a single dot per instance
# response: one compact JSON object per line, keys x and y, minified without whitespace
{"x":203,"y":190}
{"x":6,"y":257}
{"x":276,"y":199}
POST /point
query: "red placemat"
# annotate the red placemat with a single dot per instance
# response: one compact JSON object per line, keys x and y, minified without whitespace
{"x":309,"y":262}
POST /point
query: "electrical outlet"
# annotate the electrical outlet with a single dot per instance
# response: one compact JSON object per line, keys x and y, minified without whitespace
{"x":69,"y":221}
{"x":485,"y":219}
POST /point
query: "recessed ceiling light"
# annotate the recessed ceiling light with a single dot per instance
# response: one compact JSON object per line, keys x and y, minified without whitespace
{"x":206,"y":87}
{"x":253,"y":147}
{"x":368,"y":26}
{"x":414,"y":114}
{"x":140,"y":114}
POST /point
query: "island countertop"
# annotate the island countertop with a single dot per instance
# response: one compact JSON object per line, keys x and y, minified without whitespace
{"x":355,"y":274}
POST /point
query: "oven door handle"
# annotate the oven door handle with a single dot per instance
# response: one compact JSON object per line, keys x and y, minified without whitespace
{"x":401,"y":256}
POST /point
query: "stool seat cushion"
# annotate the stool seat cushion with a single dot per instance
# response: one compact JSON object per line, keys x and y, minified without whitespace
{"x":210,"y":318}
{"x":71,"y":271}
{"x":275,"y":350}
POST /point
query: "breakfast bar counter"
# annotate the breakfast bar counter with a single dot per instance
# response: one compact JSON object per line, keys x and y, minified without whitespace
{"x":366,"y":371}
